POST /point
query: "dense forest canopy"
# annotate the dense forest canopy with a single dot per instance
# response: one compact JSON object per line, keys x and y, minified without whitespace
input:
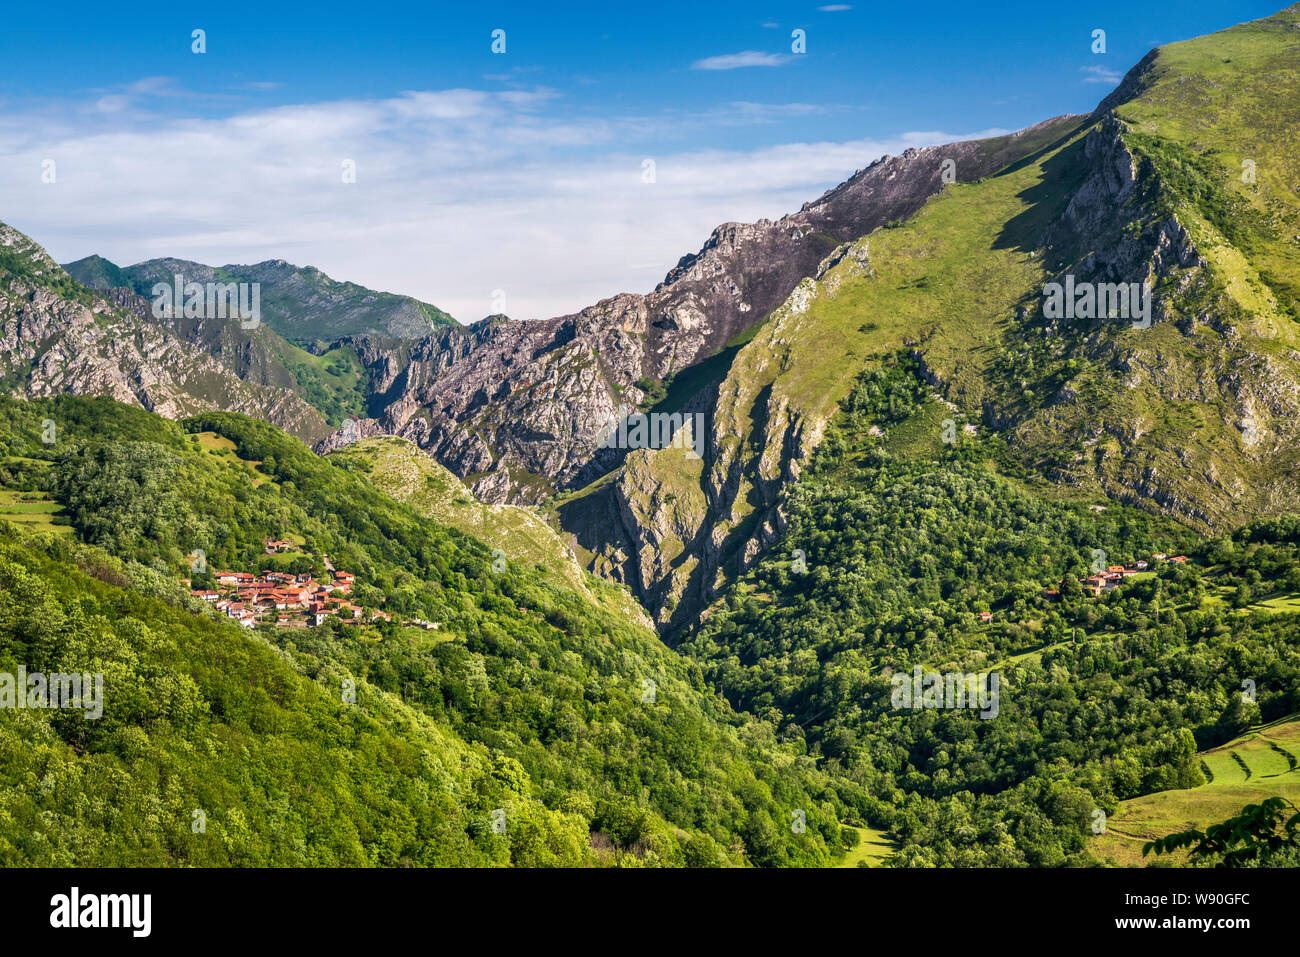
{"x":530,"y":700}
{"x":541,"y":689}
{"x":888,"y":560}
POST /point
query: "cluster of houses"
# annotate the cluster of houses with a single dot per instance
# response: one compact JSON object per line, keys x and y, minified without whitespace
{"x":1114,"y":575}
{"x":283,"y":598}
{"x":291,"y":600}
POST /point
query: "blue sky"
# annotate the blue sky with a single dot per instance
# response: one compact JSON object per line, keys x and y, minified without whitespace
{"x":479,"y":172}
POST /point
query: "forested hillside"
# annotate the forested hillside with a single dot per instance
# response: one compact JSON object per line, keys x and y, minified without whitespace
{"x":214,"y":749}
{"x":400,"y":469}
{"x":911,"y":462}
{"x":612,"y":746}
{"x":897,"y":541}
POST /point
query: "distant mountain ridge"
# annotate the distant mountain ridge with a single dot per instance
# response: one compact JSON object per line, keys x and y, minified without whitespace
{"x":57,"y":336}
{"x":301,"y":303}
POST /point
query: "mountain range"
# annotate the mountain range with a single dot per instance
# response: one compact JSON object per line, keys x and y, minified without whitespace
{"x":894,"y":353}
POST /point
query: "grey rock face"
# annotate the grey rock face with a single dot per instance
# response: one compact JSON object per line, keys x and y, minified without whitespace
{"x":541,"y":396}
{"x":53,"y":341}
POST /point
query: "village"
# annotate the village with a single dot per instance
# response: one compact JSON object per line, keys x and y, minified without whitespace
{"x":1095,"y":585}
{"x":1114,"y":575}
{"x":289,"y":600}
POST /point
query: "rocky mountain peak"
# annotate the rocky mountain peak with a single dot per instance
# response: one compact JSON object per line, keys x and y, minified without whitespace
{"x":531,"y":402}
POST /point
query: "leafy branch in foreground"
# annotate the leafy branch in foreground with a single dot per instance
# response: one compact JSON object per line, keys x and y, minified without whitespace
{"x":1260,"y":834}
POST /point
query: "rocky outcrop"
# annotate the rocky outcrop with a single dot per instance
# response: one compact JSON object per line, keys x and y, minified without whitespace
{"x":255,"y":353}
{"x":693,"y":529}
{"x":1091,"y":234}
{"x":1211,"y":346}
{"x":57,"y":338}
{"x":530,"y":402}
{"x":354,"y":431}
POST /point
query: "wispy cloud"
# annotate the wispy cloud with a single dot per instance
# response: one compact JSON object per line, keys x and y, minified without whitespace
{"x":835,"y":8}
{"x":159,"y":92}
{"x":458,"y":192}
{"x":743,"y":111}
{"x":736,"y":61}
{"x":1100,"y":74}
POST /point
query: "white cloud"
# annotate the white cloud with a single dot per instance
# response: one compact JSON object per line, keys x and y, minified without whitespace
{"x":458,"y":192}
{"x":736,"y":61}
{"x":1100,"y":74}
{"x":835,"y":8}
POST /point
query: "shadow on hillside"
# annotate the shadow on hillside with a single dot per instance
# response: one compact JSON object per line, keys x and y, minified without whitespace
{"x":1046,"y":200}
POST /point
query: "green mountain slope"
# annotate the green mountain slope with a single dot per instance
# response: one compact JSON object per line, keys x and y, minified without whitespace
{"x":579,"y":716}
{"x":1261,"y":764}
{"x":902,"y":552}
{"x":96,"y":272}
{"x":301,"y":303}
{"x":1194,"y":415}
{"x":409,"y":475}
